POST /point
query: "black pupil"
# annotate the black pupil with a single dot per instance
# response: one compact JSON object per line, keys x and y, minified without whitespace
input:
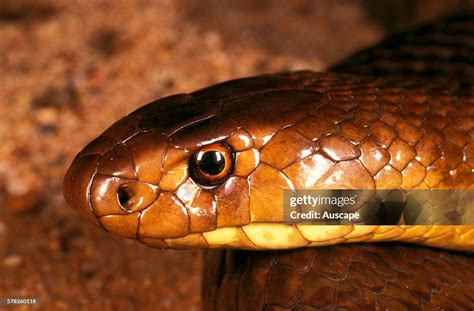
{"x":212,"y":162}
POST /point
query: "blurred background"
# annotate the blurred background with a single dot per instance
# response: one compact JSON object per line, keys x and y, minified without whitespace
{"x":68,"y":69}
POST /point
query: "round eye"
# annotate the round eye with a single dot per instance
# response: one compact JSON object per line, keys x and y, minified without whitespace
{"x":211,"y":165}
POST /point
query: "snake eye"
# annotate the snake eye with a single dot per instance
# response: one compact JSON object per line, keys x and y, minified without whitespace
{"x":211,"y":165}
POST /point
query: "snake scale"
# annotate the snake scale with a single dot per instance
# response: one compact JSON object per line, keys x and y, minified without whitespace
{"x":208,"y":170}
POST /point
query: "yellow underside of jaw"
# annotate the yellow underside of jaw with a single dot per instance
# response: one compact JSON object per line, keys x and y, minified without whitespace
{"x":266,"y":236}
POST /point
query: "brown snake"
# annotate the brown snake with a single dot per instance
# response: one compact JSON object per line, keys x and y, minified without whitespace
{"x":208,"y":170}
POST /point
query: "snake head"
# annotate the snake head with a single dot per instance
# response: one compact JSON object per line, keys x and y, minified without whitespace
{"x":205,"y":169}
{"x":117,"y":181}
{"x":152,"y":175}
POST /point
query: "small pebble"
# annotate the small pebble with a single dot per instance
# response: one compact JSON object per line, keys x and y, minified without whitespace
{"x":12,"y":261}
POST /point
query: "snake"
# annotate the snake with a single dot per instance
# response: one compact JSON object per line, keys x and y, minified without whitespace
{"x":209,"y":169}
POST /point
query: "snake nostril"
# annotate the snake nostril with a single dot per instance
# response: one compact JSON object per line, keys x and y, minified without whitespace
{"x":124,"y":195}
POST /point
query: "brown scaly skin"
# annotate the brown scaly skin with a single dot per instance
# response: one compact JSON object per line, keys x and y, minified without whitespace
{"x":411,"y":129}
{"x":347,"y":277}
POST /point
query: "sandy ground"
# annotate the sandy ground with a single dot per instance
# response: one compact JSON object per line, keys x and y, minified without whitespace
{"x":70,"y":68}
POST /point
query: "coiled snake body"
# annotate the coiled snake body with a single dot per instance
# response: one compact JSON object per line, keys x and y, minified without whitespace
{"x":208,"y":170}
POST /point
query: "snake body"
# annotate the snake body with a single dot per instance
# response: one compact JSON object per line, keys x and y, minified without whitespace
{"x":384,"y":119}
